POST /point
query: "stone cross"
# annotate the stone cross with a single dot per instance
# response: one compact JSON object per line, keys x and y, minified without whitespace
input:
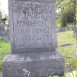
{"x":33,"y":40}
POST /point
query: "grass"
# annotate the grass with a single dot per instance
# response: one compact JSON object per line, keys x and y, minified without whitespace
{"x":4,"y":50}
{"x":66,"y":46}
{"x":66,"y":43}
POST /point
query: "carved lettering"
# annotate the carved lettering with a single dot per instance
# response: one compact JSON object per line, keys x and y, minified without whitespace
{"x":32,"y":24}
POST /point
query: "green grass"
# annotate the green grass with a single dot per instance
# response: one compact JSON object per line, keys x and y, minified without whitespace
{"x":63,"y":38}
{"x":66,"y":38}
{"x":4,"y":50}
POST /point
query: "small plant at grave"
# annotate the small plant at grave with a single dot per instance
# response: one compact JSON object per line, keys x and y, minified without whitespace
{"x":73,"y":72}
{"x":74,"y":64}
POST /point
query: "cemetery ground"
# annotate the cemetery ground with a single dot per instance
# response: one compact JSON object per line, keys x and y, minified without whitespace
{"x":66,"y":46}
{"x":4,"y":50}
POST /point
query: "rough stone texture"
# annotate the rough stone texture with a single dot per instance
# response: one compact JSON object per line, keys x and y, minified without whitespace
{"x":33,"y":34}
{"x":32,"y":25}
{"x":3,"y":32}
{"x":40,"y":64}
{"x":1,"y":28}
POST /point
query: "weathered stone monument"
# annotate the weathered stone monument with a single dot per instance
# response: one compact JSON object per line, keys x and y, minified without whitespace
{"x":33,"y":40}
{"x":3,"y":33}
{"x":1,"y":28}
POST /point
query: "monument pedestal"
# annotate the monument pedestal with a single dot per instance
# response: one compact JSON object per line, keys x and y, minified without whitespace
{"x":34,"y":64}
{"x":33,"y":40}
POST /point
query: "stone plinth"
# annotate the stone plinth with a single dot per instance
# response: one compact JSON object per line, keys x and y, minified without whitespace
{"x":40,"y":64}
{"x":33,"y":40}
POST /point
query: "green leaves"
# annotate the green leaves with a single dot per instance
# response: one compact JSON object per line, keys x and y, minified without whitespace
{"x":68,"y":11}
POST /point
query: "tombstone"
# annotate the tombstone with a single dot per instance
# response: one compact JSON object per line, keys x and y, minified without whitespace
{"x":75,"y":32}
{"x":3,"y":33}
{"x":5,"y":36}
{"x":1,"y":28}
{"x":33,"y":40}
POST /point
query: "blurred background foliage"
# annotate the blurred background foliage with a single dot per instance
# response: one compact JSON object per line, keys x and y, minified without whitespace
{"x":66,"y":12}
{"x":66,"y":16}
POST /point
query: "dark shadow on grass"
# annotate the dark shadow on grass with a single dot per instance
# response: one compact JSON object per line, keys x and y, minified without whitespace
{"x":66,"y":45}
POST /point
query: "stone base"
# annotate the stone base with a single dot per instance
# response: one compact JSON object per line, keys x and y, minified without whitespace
{"x":33,"y":64}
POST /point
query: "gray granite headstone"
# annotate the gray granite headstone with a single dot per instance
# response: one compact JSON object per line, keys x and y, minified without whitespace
{"x":1,"y":28}
{"x":33,"y":25}
{"x":33,"y":40}
{"x":3,"y":33}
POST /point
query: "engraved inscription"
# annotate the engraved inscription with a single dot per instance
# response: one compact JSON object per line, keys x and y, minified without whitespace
{"x":32,"y":25}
